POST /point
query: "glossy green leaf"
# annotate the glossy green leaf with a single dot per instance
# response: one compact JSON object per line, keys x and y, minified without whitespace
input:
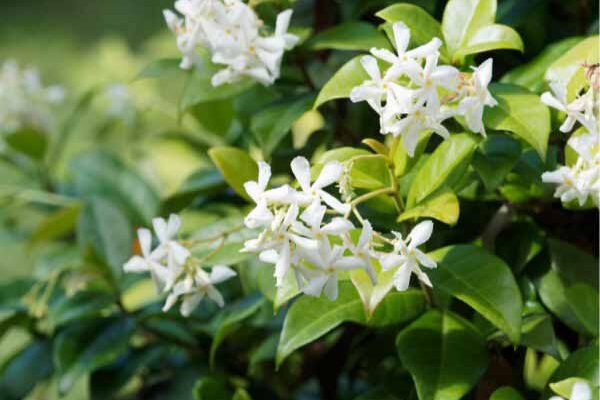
{"x":22,"y":372}
{"x":442,"y":205}
{"x":231,"y":319}
{"x":212,"y":388}
{"x":584,"y":302}
{"x":310,"y":318}
{"x":440,"y":166}
{"x":341,"y":83}
{"x":57,"y":224}
{"x":522,"y":113}
{"x":495,"y":158}
{"x":491,"y":37}
{"x":83,"y":348}
{"x":463,"y":18}
{"x":236,"y":166}
{"x":370,"y":173}
{"x":159,"y":67}
{"x":506,"y":393}
{"x":565,"y":387}
{"x":273,"y":123}
{"x":572,"y":263}
{"x":568,"y":68}
{"x":352,"y":35}
{"x":531,"y":75}
{"x":304,"y":127}
{"x":84,"y":304}
{"x":582,"y":363}
{"x":103,"y":227}
{"x":482,"y":281}
{"x":537,"y":333}
{"x":99,"y":173}
{"x":444,"y":353}
{"x":30,"y":142}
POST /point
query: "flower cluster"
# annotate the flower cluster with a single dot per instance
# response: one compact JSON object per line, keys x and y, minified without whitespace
{"x":298,"y":239}
{"x":174,"y":269}
{"x":232,"y":32}
{"x":581,"y":180}
{"x":24,"y":101}
{"x":416,"y":94}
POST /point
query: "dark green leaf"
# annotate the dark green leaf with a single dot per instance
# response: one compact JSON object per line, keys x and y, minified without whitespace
{"x":30,"y":142}
{"x":352,"y":35}
{"x":341,"y":84}
{"x":22,"y":372}
{"x":495,"y":158}
{"x":582,"y":363}
{"x":506,"y":393}
{"x":236,"y":166}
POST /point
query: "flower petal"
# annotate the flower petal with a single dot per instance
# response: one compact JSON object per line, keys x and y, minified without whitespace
{"x":420,"y":233}
{"x":301,"y":170}
{"x":221,"y":273}
{"x":330,"y":173}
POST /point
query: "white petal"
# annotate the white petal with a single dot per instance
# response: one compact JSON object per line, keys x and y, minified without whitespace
{"x":314,"y":286}
{"x":427,"y":49}
{"x":264,"y":174}
{"x":171,"y":300}
{"x":313,"y":214}
{"x":424,"y":260}
{"x":330,"y":173}
{"x":221,"y":273}
{"x":160,"y":229}
{"x":301,"y":170}
{"x":306,"y":244}
{"x":334,"y":203}
{"x":349,"y":263}
{"x":269,"y":256}
{"x":136,"y":264}
{"x":179,"y":252}
{"x":365,"y":235}
{"x":259,"y":216}
{"x":337,"y":226}
{"x":402,"y":278}
{"x":420,"y":233}
{"x":173,"y":225}
{"x":581,"y":391}
{"x":551,"y":101}
{"x":370,"y":65}
{"x":331,"y":287}
{"x":190,"y":303}
{"x":283,"y":263}
{"x":283,"y":22}
{"x":391,"y":260}
{"x":385,"y":55}
{"x":484,"y":72}
{"x":215,"y":296}
{"x":401,"y":36}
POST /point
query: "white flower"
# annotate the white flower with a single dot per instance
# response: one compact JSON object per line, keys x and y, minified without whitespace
{"x":194,"y":287}
{"x":406,"y":257}
{"x":430,"y":78}
{"x":326,"y":262}
{"x":580,"y":391}
{"x":24,"y":101}
{"x":416,"y":121}
{"x":169,"y":248}
{"x":148,"y":261}
{"x":579,"y":110}
{"x":377,"y":89}
{"x":330,"y":174}
{"x":405,"y":61}
{"x":587,"y":146}
{"x":477,"y":96}
{"x":574,"y":182}
{"x":363,"y":250}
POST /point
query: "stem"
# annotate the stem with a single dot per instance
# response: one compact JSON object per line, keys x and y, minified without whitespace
{"x":370,"y":195}
{"x":427,"y":292}
{"x":223,"y":234}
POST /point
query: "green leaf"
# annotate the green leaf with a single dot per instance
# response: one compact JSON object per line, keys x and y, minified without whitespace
{"x":531,"y":74}
{"x":370,"y":173}
{"x":340,"y":154}
{"x":584,"y":302}
{"x":351,"y":35}
{"x":211,"y":388}
{"x":341,"y":83}
{"x":506,"y":393}
{"x":519,"y":244}
{"x":84,"y":304}
{"x":310,"y":318}
{"x":200,"y":183}
{"x":446,"y":159}
{"x":273,"y":123}
{"x":537,"y":333}
{"x":522,"y":113}
{"x":30,"y":142}
{"x":303,"y":128}
{"x":444,"y":353}
{"x":491,"y":37}
{"x":231,"y":319}
{"x":236,"y":166}
{"x":463,"y":18}
{"x":423,"y":27}
{"x":583,"y":363}
{"x":495,"y":158}
{"x":565,"y":387}
{"x":28,"y":367}
{"x":99,"y":173}
{"x":482,"y":281}
{"x":568,"y":68}
{"x":57,"y":224}
{"x":103,"y":227}
{"x":442,"y":205}
{"x":573,"y":264}
{"x":159,"y":67}
{"x":83,"y":348}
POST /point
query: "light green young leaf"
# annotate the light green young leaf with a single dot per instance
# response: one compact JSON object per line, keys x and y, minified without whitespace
{"x":160,"y":67}
{"x":444,"y":353}
{"x":310,"y":318}
{"x":57,"y":224}
{"x":531,"y":75}
{"x":506,"y":393}
{"x":483,"y":281}
{"x":582,"y":363}
{"x":522,"y":113}
{"x":568,"y":68}
{"x":564,"y":388}
{"x":491,"y":37}
{"x":443,"y":206}
{"x":463,"y":18}
{"x":440,"y":166}
{"x":352,"y":35}
{"x":30,"y":142}
{"x":341,"y":83}
{"x":236,"y":166}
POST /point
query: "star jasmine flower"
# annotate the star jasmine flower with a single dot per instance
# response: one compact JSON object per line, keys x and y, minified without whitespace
{"x":313,"y":216}
{"x":330,"y":174}
{"x":406,"y":61}
{"x":406,"y":257}
{"x":362,"y":250}
{"x":587,"y":146}
{"x":195,"y":286}
{"x":577,"y":111}
{"x":430,"y":78}
{"x":376,"y":90}
{"x":573,"y":183}
{"x":169,"y":248}
{"x":326,"y":263}
{"x":580,"y":391}
{"x":477,"y":96}
{"x":148,"y":261}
